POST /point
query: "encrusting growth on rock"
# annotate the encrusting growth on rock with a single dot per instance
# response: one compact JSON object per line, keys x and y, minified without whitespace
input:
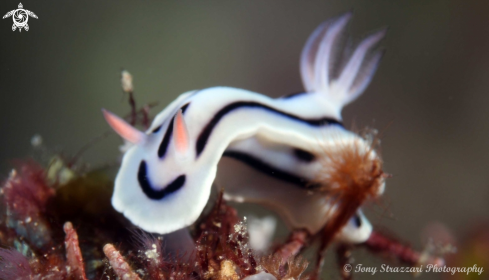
{"x":227,"y":271}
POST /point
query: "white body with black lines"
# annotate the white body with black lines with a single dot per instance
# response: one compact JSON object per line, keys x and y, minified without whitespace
{"x":165,"y":179}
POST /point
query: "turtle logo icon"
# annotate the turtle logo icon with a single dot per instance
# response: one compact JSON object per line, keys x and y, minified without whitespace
{"x":20,"y":17}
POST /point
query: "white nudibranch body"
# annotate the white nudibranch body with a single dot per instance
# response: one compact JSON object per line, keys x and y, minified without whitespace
{"x":261,"y":149}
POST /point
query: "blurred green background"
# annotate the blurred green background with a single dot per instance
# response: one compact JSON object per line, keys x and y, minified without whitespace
{"x":429,"y":98}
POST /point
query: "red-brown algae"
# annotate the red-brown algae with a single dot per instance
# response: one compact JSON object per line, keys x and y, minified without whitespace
{"x":221,"y":248}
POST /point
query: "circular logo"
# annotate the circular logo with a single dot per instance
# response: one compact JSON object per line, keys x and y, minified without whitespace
{"x":347,"y":267}
{"x":20,"y":17}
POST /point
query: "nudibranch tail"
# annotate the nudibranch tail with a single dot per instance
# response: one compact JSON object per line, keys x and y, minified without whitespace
{"x":299,"y":189}
{"x":125,"y":130}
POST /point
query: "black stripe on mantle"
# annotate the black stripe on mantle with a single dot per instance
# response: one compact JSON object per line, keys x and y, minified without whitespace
{"x":149,"y":191}
{"x":207,"y":131}
{"x":169,"y":131}
{"x":269,"y":170}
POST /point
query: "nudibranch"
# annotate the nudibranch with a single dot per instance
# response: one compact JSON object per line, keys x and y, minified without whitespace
{"x":269,"y":145}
